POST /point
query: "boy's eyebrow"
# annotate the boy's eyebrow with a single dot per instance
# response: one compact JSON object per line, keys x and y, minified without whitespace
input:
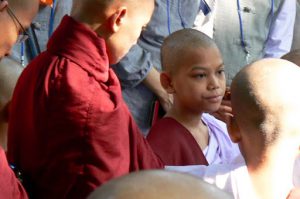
{"x":205,"y":68}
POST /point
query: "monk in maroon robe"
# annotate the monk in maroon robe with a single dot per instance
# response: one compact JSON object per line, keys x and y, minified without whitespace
{"x":69,"y":129}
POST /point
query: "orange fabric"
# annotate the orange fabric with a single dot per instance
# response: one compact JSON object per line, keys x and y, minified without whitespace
{"x":46,"y":2}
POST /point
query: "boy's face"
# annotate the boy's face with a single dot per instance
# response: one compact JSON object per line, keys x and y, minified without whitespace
{"x":120,"y":42}
{"x":199,"y":82}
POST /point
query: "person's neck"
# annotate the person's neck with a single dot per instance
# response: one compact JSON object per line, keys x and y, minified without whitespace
{"x":186,"y":117}
{"x":96,"y":27}
{"x":191,"y":120}
{"x":274,"y":176}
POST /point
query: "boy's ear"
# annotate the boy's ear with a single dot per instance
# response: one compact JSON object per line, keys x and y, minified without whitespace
{"x":3,"y":5}
{"x":234,"y":130}
{"x":166,"y":82}
{"x":117,"y":19}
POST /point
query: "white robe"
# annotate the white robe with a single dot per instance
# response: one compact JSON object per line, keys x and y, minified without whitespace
{"x":232,"y":178}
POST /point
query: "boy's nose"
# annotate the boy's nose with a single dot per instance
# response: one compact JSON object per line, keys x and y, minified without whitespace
{"x":213,"y":83}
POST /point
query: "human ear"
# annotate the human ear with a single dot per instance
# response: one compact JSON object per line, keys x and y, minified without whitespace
{"x":234,"y":130}
{"x":166,"y":82}
{"x":3,"y":5}
{"x":117,"y":19}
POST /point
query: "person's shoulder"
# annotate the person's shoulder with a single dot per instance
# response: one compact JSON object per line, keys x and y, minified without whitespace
{"x":164,"y":127}
{"x":214,"y":123}
{"x":229,"y":151}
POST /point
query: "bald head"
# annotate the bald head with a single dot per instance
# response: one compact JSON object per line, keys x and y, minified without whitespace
{"x":293,"y":56}
{"x":95,"y":10}
{"x":180,"y":41}
{"x":265,"y":99}
{"x":158,"y":184}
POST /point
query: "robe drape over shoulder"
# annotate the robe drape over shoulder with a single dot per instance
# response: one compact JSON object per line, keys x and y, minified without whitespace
{"x":69,"y":129}
{"x":176,"y":146}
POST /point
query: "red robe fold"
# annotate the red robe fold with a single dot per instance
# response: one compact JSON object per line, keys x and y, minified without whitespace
{"x":174,"y":144}
{"x":69,"y":129}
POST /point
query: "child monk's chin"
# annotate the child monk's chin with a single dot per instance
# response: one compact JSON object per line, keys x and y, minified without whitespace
{"x":213,"y":108}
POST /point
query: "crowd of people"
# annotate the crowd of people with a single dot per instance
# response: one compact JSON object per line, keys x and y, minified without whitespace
{"x":200,"y":93}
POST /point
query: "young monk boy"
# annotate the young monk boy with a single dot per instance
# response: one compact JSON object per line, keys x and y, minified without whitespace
{"x":158,"y":184}
{"x":193,"y":72}
{"x":15,"y":15}
{"x":69,"y":129}
{"x":266,"y":127}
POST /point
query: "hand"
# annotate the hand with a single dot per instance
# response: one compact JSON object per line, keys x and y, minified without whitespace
{"x":152,"y":81}
{"x":225,"y":112}
{"x":166,"y":101}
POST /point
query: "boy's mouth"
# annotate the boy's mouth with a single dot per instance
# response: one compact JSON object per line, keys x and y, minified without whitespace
{"x":214,"y":98}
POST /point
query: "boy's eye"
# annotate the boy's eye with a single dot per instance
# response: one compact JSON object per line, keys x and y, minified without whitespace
{"x":221,"y":71}
{"x":200,"y":75}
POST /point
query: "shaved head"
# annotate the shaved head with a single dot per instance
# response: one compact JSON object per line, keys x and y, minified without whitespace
{"x":94,"y":9}
{"x":293,"y":56}
{"x":158,"y":184}
{"x":265,"y":98}
{"x":178,"y":42}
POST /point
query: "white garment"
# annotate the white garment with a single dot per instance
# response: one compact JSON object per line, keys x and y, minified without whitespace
{"x":232,"y":178}
{"x":220,"y":149}
{"x":226,"y":177}
{"x":281,"y":32}
{"x":205,"y":23}
{"x":296,"y":179}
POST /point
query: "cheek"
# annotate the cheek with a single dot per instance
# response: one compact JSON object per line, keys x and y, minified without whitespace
{"x":223,"y":84}
{"x":7,"y":41}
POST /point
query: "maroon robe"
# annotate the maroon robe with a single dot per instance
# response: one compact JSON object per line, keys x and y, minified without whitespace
{"x":69,"y":129}
{"x":10,"y":186}
{"x":174,"y":144}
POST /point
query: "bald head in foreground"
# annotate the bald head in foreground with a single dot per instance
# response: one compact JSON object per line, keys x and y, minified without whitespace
{"x":158,"y":184}
{"x":265,"y":104}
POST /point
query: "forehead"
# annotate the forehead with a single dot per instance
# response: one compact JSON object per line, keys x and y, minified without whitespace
{"x":204,"y":57}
